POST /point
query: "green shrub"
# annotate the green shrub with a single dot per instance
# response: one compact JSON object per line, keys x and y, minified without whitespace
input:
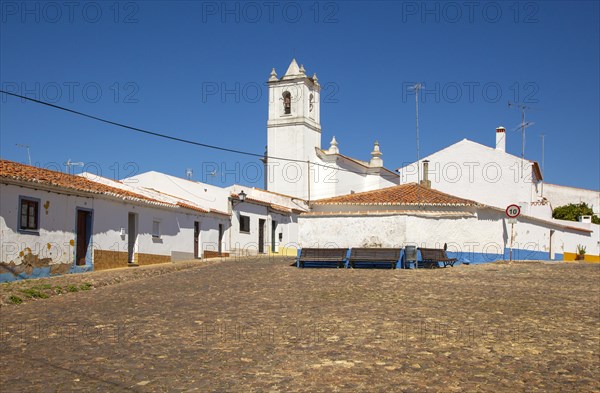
{"x":572,"y":212}
{"x":15,"y":299}
{"x":34,"y":293}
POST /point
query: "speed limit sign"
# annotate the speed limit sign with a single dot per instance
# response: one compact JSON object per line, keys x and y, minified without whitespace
{"x":513,"y":211}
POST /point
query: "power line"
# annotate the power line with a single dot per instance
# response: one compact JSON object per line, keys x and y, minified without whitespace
{"x":130,"y":127}
{"x":173,"y":138}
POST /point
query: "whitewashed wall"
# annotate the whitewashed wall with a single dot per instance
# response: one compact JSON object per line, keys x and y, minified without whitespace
{"x":470,"y":170}
{"x":202,"y":194}
{"x":336,"y":179}
{"x":247,"y":243}
{"x":485,"y":233}
{"x":352,"y":231}
{"x":57,"y":226}
{"x":56,"y":236}
{"x":561,"y":195}
{"x":176,"y":229}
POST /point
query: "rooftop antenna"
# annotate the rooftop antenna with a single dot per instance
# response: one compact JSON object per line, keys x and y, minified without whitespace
{"x":70,"y":163}
{"x":523,"y":125}
{"x":416,"y":88}
{"x":189,"y":173}
{"x":28,"y":153}
{"x":543,"y":173}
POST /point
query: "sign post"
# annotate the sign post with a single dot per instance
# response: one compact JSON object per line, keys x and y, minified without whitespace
{"x":512,"y":212}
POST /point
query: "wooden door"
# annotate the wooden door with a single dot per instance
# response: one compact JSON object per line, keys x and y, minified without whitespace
{"x":221,"y":231}
{"x":196,"y":239}
{"x":261,"y":236}
{"x":131,"y":236}
{"x":83,"y":236}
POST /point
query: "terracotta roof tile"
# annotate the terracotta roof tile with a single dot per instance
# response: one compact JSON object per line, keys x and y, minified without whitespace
{"x":31,"y":174}
{"x":406,"y":194}
{"x":273,"y":206}
{"x":21,"y":172}
{"x":192,"y":207}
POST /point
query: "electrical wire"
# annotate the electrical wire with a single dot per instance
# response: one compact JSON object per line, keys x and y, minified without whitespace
{"x":173,"y":138}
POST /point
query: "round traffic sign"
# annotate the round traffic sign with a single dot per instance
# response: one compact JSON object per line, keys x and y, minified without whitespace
{"x":513,"y":211}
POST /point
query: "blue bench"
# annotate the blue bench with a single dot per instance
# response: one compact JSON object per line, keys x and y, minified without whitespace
{"x":431,"y":257}
{"x":374,"y":256}
{"x":322,"y":257}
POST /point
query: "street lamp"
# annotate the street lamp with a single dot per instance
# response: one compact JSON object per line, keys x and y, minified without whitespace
{"x":241,"y":198}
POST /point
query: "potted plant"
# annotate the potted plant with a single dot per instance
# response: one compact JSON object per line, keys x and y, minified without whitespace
{"x":580,"y":253}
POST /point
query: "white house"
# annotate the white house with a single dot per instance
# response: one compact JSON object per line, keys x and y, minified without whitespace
{"x":55,"y":223}
{"x":192,"y":193}
{"x":209,"y":231}
{"x":412,"y":214}
{"x":562,"y":195}
{"x":265,"y":222}
{"x":485,"y":174}
{"x":296,"y":165}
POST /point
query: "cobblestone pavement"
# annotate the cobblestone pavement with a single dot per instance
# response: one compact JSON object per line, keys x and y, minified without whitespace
{"x":263,"y":326}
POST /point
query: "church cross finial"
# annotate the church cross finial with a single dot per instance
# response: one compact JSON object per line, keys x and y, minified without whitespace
{"x":333,"y":148}
{"x":376,"y":154}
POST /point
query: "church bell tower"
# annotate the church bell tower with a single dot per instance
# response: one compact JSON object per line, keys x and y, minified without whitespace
{"x":293,"y":131}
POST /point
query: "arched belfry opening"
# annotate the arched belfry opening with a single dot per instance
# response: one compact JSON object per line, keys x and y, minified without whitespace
{"x":287,"y":103}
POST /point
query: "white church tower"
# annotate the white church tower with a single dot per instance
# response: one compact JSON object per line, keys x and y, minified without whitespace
{"x":293,"y":131}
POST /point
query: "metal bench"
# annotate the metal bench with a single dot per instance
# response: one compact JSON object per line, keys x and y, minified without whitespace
{"x":323,"y":256}
{"x":431,"y":257}
{"x":373,"y":256}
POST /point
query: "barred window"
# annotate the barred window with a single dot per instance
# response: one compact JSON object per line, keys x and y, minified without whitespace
{"x":29,"y":220}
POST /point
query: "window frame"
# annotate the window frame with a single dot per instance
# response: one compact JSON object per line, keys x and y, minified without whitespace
{"x":242,"y":219}
{"x":28,"y":200}
{"x":157,"y":234}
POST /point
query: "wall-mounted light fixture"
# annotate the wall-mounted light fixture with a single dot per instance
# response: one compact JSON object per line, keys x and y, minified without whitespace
{"x":241,"y":198}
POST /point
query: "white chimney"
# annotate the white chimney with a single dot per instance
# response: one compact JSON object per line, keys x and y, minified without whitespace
{"x":501,"y":138}
{"x":425,"y":182}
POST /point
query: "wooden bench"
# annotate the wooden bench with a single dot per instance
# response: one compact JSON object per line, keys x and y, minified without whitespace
{"x":432,"y":256}
{"x":375,"y":256}
{"x":323,"y":256}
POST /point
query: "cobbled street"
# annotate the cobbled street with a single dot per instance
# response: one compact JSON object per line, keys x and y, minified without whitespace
{"x":259,"y":325}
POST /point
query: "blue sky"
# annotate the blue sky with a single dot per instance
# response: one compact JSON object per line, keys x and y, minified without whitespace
{"x":155,"y":64}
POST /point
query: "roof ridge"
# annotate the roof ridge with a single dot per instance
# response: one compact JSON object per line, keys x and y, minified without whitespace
{"x":403,"y":194}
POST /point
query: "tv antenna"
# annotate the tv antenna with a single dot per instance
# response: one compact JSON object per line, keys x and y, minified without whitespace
{"x":70,"y":163}
{"x":189,"y":173}
{"x":522,"y":126}
{"x":28,"y":152}
{"x":212,"y":175}
{"x":416,"y":88}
